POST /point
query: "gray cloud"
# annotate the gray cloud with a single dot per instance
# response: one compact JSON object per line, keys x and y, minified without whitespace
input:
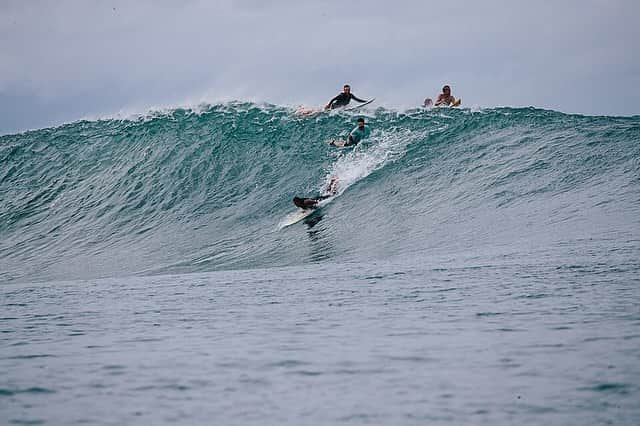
{"x":70,"y":59}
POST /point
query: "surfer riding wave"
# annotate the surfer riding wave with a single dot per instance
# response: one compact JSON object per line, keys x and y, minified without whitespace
{"x":312,"y":202}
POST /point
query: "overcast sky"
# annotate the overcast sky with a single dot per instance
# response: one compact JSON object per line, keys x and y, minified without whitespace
{"x":65,"y":60}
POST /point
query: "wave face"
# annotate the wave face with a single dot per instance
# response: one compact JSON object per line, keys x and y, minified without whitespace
{"x":185,"y":191}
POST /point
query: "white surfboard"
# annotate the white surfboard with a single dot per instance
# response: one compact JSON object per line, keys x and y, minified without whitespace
{"x":360,"y":105}
{"x":340,"y":143}
{"x":300,"y":214}
{"x":295,"y":217}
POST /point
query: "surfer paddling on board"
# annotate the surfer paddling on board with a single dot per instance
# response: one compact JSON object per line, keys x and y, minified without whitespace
{"x":312,"y":202}
{"x":444,"y":99}
{"x":359,"y":133}
{"x":343,"y":99}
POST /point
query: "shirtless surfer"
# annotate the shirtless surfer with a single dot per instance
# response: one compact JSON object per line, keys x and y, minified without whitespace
{"x":343,"y":99}
{"x":444,"y":99}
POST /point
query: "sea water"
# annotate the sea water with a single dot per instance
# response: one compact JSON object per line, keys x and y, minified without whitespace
{"x":476,"y":267}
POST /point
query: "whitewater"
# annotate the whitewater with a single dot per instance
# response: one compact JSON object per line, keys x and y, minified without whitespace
{"x":476,"y":267}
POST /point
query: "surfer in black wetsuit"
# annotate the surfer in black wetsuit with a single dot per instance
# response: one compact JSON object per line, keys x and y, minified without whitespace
{"x":312,"y":203}
{"x":343,"y":98}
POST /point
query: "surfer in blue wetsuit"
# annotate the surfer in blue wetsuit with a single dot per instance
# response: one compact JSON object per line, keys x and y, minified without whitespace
{"x":343,"y":99}
{"x":312,"y":202}
{"x":359,"y":133}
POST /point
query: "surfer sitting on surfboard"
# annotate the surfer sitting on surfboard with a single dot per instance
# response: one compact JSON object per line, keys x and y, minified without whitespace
{"x":312,"y":203}
{"x":359,"y":133}
{"x":444,"y":99}
{"x":343,"y":99}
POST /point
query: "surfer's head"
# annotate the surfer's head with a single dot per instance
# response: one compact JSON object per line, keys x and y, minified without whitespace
{"x":361,"y":122}
{"x":446,"y":89}
{"x":346,"y":88}
{"x":299,"y":202}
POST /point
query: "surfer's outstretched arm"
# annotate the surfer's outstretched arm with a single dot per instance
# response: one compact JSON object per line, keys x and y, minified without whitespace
{"x":356,"y":98}
{"x":328,"y":106}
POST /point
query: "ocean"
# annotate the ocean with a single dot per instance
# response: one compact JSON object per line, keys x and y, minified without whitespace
{"x":477,"y":266}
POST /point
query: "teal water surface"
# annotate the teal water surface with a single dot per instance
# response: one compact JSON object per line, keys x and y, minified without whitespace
{"x":476,"y":267}
{"x":187,"y":191}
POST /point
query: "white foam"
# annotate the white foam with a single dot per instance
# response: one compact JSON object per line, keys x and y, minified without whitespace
{"x":382,"y":148}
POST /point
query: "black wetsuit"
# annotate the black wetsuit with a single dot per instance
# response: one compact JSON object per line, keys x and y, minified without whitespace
{"x":308,"y":203}
{"x":343,"y":99}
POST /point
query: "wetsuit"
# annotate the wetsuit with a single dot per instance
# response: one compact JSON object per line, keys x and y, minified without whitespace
{"x":312,"y":202}
{"x":308,"y":203}
{"x":343,"y":99}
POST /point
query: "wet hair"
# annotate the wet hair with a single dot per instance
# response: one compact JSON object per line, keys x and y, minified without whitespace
{"x":446,"y":87}
{"x":299,"y":202}
{"x":360,"y":120}
{"x":345,"y":86}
